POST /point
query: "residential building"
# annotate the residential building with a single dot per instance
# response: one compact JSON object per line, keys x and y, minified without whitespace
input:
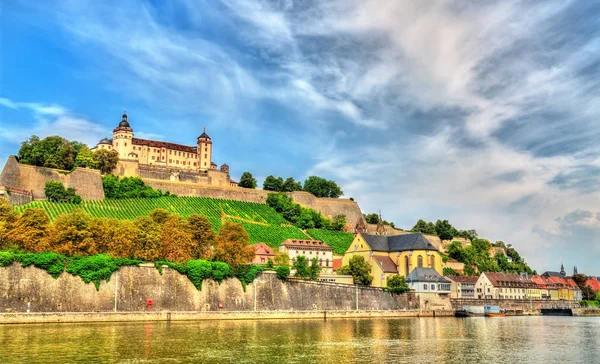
{"x":432,"y":290}
{"x":263,"y":254}
{"x":543,"y":286}
{"x":577,"y":294}
{"x":511,"y":286}
{"x":462,"y":286}
{"x":394,"y":255}
{"x":309,"y":249}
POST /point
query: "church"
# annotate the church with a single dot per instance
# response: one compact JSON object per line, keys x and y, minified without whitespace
{"x":165,"y":161}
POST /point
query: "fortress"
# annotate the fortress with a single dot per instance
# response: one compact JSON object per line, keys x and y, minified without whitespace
{"x":165,"y":161}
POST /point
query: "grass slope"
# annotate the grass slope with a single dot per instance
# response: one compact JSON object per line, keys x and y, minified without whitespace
{"x":338,"y":240}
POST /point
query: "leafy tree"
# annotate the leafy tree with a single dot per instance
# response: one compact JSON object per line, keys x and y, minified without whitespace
{"x":282,"y":272}
{"x":105,"y":160}
{"x":397,"y":284}
{"x":177,"y":244}
{"x":147,"y":244}
{"x":85,"y":157}
{"x":374,"y":218}
{"x":273,"y":184}
{"x":51,"y":152}
{"x":31,"y":231}
{"x":159,"y":216}
{"x":8,"y":216}
{"x":305,"y":220}
{"x":444,"y":230}
{"x":588,"y":293}
{"x":424,"y":227}
{"x":359,"y":269}
{"x":321,"y":187}
{"x":247,"y":181}
{"x":203,"y":235}
{"x":74,"y":234}
{"x":301,"y":267}
{"x":339,"y":222}
{"x":289,"y":185}
{"x":282,"y":259}
{"x":55,"y":191}
{"x":232,"y":246}
{"x":314,"y":269}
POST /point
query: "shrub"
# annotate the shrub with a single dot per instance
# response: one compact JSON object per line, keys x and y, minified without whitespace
{"x":53,"y":263}
{"x":55,"y":191}
{"x":97,"y":268}
{"x":282,"y":272}
{"x":6,"y":258}
{"x":197,"y":271}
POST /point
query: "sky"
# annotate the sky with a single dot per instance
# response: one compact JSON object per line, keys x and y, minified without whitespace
{"x":485,"y":113}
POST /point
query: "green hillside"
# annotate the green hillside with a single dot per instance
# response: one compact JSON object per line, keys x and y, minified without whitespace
{"x":262,"y":222}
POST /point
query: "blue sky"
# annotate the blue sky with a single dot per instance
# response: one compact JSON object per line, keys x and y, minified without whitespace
{"x":483,"y":113}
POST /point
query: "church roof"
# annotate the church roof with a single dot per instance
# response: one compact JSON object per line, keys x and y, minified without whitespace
{"x":552,"y":274}
{"x":397,"y":243}
{"x":422,"y":274}
{"x":105,"y":141}
{"x":157,"y":144}
{"x":204,"y":135}
{"x":386,"y":263}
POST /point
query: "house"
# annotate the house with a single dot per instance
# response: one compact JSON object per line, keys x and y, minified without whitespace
{"x":543,"y":286}
{"x":564,"y":291}
{"x":462,"y":286}
{"x":511,"y":286}
{"x":577,"y":294}
{"x":309,"y":249}
{"x":394,"y":255}
{"x":432,"y":290}
{"x":263,"y":253}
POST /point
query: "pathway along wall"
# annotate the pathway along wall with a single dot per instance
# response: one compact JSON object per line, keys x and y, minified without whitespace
{"x":171,"y":291}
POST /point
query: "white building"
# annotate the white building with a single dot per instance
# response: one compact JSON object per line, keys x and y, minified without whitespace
{"x":309,"y":249}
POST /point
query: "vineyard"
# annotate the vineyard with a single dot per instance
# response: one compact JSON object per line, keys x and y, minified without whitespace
{"x":338,"y":240}
{"x":262,"y":223}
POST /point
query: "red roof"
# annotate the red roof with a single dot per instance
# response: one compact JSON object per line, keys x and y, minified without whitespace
{"x":541,"y":281}
{"x":558,"y":281}
{"x":315,"y":244}
{"x":593,"y":282}
{"x":463,"y":279}
{"x":166,"y":145}
{"x":387,"y":264}
{"x":263,"y":249}
{"x":499,"y":279}
{"x":337,"y":263}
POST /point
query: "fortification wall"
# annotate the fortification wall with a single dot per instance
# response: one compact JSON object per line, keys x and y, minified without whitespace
{"x":174,"y":292}
{"x":87,"y":182}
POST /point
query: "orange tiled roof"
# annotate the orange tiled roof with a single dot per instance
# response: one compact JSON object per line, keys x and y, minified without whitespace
{"x":315,"y":244}
{"x":337,"y":264}
{"x":463,"y":279}
{"x":157,"y":144}
{"x":593,"y":282}
{"x":263,"y":249}
{"x":500,"y":279}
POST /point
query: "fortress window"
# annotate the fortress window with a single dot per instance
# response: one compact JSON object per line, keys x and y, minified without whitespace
{"x":177,"y":162}
{"x":163,"y":158}
{"x":125,"y":144}
{"x":152,"y":157}
{"x":206,"y":149}
{"x":204,"y":164}
{"x":194,"y":164}
{"x":205,"y":156}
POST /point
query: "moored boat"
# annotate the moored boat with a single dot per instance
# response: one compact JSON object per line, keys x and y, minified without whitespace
{"x":499,"y":314}
{"x":493,"y":311}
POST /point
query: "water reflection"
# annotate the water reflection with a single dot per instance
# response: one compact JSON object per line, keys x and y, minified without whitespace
{"x":425,"y":340}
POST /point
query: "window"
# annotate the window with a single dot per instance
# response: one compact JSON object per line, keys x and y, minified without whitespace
{"x":204,"y":164}
{"x":179,"y":154}
{"x":425,"y":287}
{"x":321,"y":262}
{"x":262,"y":260}
{"x":420,"y":261}
{"x":170,"y":152}
{"x":406,"y":269}
{"x":177,"y":162}
{"x":432,"y":261}
{"x":163,"y":158}
{"x":327,"y":262}
{"x":153,"y":158}
{"x":170,"y":161}
{"x":125,"y":144}
{"x":206,"y":149}
{"x":194,"y":164}
{"x":206,"y":156}
{"x":433,"y":287}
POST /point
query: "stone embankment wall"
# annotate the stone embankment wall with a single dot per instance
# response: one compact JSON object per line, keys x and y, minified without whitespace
{"x":132,"y":286}
{"x":516,"y":306}
{"x":87,"y":182}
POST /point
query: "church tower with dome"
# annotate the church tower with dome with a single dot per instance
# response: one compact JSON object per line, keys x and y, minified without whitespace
{"x":163,"y":160}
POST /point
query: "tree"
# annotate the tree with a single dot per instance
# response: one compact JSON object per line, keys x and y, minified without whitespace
{"x":397,"y":284}
{"x":289,"y":185}
{"x":8,"y":216}
{"x":424,"y":227}
{"x":159,"y":216}
{"x":273,"y":184}
{"x":31,"y":231}
{"x":374,"y":218}
{"x":247,"y":181}
{"x":55,"y":191}
{"x":177,"y":244}
{"x":105,"y":160}
{"x":305,"y":220}
{"x":147,"y":244}
{"x":359,"y":269}
{"x":51,"y":152}
{"x":232,"y":245}
{"x":203,"y":235}
{"x":282,"y":259}
{"x":587,"y":293}
{"x":339,"y":222}
{"x":74,"y":234}
{"x":444,"y":230}
{"x":320,"y":187}
{"x":85,"y":157}
{"x":301,"y":267}
{"x":315,"y":269}
{"x":282,"y":272}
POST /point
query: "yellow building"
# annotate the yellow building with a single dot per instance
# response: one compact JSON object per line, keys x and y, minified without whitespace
{"x":391,"y":255}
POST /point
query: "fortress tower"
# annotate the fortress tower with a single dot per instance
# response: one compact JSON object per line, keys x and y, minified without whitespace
{"x":123,"y":139}
{"x":204,"y":151}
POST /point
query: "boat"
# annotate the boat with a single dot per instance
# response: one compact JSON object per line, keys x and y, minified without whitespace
{"x":470,"y":311}
{"x":461,"y":312}
{"x":493,"y":311}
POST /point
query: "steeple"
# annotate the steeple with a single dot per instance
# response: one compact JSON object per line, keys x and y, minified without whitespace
{"x":575,"y":270}
{"x":562,"y":270}
{"x":380,"y":227}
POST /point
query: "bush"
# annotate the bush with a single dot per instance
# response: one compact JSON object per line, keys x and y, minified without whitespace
{"x":282,"y":272}
{"x":97,"y":268}
{"x":6,"y":258}
{"x":53,"y":263}
{"x":128,"y":187}
{"x":197,"y":271}
{"x":397,"y":284}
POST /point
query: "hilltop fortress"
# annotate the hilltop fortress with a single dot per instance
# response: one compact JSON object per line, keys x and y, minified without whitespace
{"x":180,"y":169}
{"x":165,"y":161}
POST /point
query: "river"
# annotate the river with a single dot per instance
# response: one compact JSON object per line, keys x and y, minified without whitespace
{"x":405,"y":340}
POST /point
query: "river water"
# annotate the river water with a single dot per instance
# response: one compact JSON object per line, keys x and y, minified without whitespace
{"x":406,"y":340}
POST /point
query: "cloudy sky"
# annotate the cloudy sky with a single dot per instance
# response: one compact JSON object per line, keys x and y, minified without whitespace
{"x":484,"y":113}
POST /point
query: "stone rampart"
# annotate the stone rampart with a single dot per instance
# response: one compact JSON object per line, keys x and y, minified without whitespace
{"x":131,"y":287}
{"x":87,"y":182}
